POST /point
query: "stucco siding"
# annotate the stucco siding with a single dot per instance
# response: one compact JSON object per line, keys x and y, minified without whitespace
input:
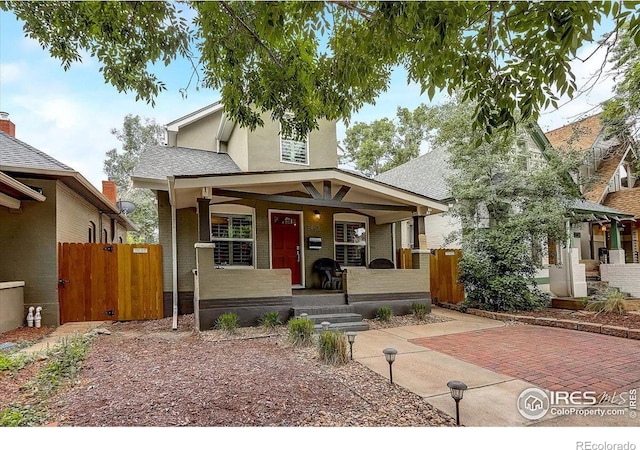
{"x":200,"y":134}
{"x":238,"y":147}
{"x":264,"y":147}
{"x":28,"y":246}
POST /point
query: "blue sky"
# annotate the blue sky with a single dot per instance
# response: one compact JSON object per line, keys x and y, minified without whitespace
{"x":69,"y":115}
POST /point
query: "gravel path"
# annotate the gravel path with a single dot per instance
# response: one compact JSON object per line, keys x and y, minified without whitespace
{"x":144,"y":375}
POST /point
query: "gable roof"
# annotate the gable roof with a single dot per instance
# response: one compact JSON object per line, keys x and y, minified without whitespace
{"x":176,"y":124}
{"x":605,"y":171}
{"x":160,"y":161}
{"x":579,"y":135}
{"x":20,"y":158}
{"x":16,"y":154}
{"x":425,"y":175}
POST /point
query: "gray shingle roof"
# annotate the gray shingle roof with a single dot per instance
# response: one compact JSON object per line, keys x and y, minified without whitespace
{"x":425,"y":175}
{"x":160,"y":161}
{"x":15,"y":153}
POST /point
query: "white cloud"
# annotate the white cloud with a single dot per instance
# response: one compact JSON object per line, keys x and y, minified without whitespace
{"x":11,"y":72}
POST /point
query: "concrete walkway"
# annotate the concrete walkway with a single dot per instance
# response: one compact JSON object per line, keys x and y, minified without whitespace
{"x":59,"y":334}
{"x":491,"y":399}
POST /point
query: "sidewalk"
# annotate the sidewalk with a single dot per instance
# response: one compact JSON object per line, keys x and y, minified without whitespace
{"x":491,"y":398}
{"x":60,"y":333}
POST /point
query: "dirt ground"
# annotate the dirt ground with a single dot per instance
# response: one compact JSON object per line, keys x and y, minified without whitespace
{"x":144,"y":374}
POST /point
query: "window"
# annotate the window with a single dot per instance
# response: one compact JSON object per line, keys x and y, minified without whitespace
{"x":105,"y":235}
{"x":350,"y":243}
{"x":92,"y":232}
{"x":233,"y":236}
{"x":293,"y":151}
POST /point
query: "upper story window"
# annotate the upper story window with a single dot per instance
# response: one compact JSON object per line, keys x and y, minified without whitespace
{"x":294,"y":151}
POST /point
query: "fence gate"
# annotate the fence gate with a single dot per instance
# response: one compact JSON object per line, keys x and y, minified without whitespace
{"x":109,"y":282}
{"x":443,"y":270}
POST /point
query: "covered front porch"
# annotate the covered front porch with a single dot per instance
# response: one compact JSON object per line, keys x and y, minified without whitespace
{"x":259,"y":236}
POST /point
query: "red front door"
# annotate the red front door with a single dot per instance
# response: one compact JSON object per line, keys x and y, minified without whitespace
{"x":285,"y":244}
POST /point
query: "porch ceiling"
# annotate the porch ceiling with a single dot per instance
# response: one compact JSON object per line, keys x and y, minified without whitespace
{"x":328,"y":188}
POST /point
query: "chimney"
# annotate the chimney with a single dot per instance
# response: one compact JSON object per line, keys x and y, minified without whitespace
{"x":109,"y":190}
{"x":7,"y":125}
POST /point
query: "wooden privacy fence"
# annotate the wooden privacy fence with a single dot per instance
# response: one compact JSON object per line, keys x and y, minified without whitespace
{"x":109,"y":282}
{"x":443,"y":269}
{"x":405,"y":258}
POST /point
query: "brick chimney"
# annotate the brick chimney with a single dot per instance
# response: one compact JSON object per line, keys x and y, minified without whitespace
{"x":7,"y":125}
{"x":109,"y":190}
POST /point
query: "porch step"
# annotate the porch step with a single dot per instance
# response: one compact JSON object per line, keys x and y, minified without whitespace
{"x":345,"y":326}
{"x":335,"y":318}
{"x":314,"y":310}
{"x":300,"y":300}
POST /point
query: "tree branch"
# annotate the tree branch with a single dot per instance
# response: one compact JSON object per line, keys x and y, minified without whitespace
{"x":365,"y":13}
{"x":253,"y":34}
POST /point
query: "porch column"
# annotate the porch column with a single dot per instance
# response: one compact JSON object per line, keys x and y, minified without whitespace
{"x":419,"y":234}
{"x":204,"y":224}
{"x":616,"y":253}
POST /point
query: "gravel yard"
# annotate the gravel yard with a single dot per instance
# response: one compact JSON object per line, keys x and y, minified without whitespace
{"x":143,"y":374}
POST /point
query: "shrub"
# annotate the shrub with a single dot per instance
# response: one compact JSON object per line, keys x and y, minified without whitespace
{"x":332,"y":347}
{"x":300,"y":331}
{"x":419,"y":310}
{"x":13,"y":362}
{"x":270,"y":320}
{"x":21,"y":416}
{"x":384,"y":313}
{"x":611,"y":300}
{"x":227,"y":322}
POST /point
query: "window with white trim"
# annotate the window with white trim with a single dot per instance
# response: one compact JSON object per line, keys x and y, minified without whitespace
{"x":233,"y":235}
{"x":350,"y":243}
{"x":293,"y":151}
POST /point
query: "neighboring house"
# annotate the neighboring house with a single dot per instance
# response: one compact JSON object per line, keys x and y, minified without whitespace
{"x":44,"y":202}
{"x":608,"y":175}
{"x":428,"y":176}
{"x":244,"y":215}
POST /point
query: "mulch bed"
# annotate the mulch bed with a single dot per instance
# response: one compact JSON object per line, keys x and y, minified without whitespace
{"x":627,"y":320}
{"x":144,"y":374}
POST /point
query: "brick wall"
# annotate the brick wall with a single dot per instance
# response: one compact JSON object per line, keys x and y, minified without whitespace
{"x":28,"y":249}
{"x":383,"y":281}
{"x":625,"y":277}
{"x":74,"y":214}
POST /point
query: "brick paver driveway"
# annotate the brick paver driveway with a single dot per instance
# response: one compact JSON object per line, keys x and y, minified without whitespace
{"x":552,"y":358}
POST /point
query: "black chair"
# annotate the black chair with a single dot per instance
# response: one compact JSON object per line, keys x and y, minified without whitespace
{"x":381,"y":263}
{"x":330,"y":273}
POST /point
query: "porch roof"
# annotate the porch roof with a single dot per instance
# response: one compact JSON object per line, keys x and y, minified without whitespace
{"x":600,"y":212}
{"x":329,"y":187}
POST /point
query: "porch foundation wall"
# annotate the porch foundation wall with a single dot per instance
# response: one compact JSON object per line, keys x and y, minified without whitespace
{"x":185,"y":303}
{"x":369,"y":289}
{"x":625,"y":277}
{"x":250,"y":293}
{"x":11,"y":305}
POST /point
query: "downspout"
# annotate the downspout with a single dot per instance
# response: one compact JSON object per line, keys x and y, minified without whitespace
{"x":174,"y":250}
{"x":393,"y":244}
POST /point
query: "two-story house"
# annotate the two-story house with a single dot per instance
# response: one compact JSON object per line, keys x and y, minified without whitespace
{"x":608,"y":178}
{"x":244,"y":215}
{"x":563,"y":273}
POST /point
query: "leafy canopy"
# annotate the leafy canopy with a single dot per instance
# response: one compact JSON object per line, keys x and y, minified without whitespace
{"x":383,"y":144}
{"x":136,"y":134}
{"x":509,"y":204}
{"x":327,"y":59}
{"x":622,"y":113}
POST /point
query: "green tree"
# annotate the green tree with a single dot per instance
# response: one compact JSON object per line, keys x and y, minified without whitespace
{"x":622,"y":113}
{"x":508,"y":211}
{"x":136,"y":134}
{"x":327,"y":59}
{"x":383,"y":144}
